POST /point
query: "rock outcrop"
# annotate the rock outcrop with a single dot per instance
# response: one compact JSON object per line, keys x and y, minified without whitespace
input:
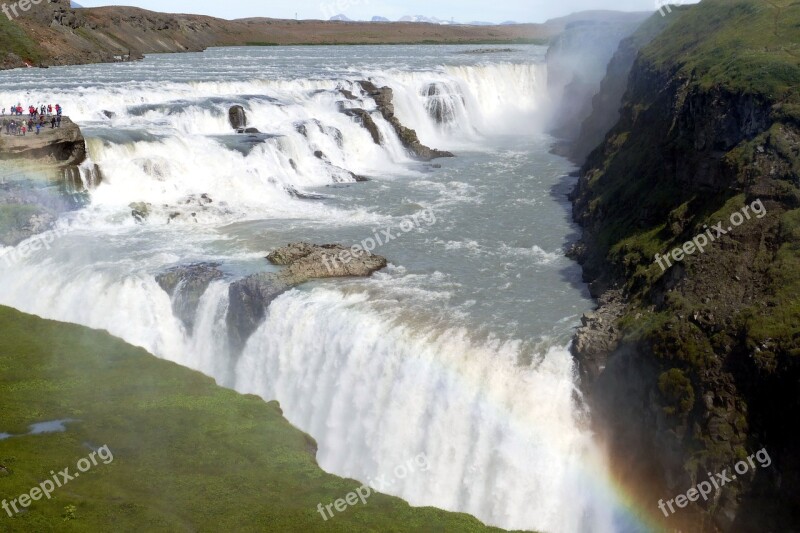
{"x":55,"y":147}
{"x":384,"y":99}
{"x":598,"y":336}
{"x":363,"y":117}
{"x":250,"y":297}
{"x":237,"y":117}
{"x":185,"y":285}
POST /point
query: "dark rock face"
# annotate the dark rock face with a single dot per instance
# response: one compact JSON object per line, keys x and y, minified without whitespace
{"x":697,"y":369}
{"x":598,"y":336}
{"x":606,"y":103}
{"x":248,"y":302}
{"x":365,"y":119}
{"x":250,"y":297}
{"x":384,"y":98}
{"x":237,"y":117}
{"x":185,"y":285}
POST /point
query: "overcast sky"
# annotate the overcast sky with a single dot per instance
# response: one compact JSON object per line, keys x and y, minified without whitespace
{"x":460,"y":10}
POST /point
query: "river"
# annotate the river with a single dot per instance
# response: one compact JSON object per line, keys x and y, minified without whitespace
{"x":458,"y":350}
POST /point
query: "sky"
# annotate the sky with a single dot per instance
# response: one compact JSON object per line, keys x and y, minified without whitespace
{"x":460,"y":10}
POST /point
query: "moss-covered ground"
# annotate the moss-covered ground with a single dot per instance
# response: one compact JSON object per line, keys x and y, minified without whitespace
{"x":187,"y":455}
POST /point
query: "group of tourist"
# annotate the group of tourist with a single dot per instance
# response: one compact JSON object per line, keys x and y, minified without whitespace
{"x":36,"y":119}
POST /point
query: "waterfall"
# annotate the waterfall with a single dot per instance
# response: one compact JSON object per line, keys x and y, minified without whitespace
{"x":374,"y":385}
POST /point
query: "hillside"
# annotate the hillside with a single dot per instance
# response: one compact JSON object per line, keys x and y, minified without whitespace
{"x":55,"y":34}
{"x":705,"y":371}
{"x":185,"y":454}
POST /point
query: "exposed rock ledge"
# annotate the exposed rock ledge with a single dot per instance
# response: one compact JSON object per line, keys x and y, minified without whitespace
{"x":598,"y":336}
{"x":384,"y":98}
{"x":55,"y":147}
{"x":249,"y":297}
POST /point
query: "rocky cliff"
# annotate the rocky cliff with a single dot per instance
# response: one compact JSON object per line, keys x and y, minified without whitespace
{"x":697,"y":368}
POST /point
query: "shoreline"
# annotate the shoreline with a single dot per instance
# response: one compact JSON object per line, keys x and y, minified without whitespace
{"x":119,"y":34}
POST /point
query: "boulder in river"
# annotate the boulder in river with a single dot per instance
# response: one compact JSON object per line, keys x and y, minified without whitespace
{"x":237,"y":117}
{"x":140,"y":211}
{"x":306,"y":261}
{"x":185,"y":285}
{"x":250,"y":297}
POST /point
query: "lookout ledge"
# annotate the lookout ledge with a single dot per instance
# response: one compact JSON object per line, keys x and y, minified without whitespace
{"x":55,"y":147}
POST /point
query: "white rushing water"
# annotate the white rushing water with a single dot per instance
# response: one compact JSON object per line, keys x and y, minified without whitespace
{"x":457,"y":351}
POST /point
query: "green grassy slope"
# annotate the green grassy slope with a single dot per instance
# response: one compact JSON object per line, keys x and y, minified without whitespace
{"x":748,"y":46}
{"x":187,"y":454}
{"x":13,"y":40}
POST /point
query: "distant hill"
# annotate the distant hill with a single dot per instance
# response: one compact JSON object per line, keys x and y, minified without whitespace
{"x":340,"y":17}
{"x":112,"y":33}
{"x":380,"y":19}
{"x":599,"y":15}
{"x":424,"y":19}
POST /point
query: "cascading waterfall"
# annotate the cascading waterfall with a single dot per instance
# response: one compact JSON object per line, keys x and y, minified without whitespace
{"x":373,"y":386}
{"x":501,"y":440}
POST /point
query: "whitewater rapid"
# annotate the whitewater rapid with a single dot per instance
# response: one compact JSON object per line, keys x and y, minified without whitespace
{"x":378,"y":371}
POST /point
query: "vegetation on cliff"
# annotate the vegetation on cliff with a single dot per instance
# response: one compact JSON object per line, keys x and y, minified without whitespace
{"x":708,"y":365}
{"x":16,"y":46}
{"x":187,"y":454}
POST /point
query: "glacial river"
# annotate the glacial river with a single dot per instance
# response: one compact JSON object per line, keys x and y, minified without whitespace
{"x":457,"y":350}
